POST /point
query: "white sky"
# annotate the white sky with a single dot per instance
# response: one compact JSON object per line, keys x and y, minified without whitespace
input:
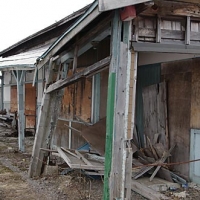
{"x":21,"y":18}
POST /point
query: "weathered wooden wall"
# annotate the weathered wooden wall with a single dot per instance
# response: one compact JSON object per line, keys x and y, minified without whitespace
{"x":77,"y":100}
{"x":178,"y":76}
{"x":13,"y":99}
{"x":195,"y":96}
{"x":30,"y":105}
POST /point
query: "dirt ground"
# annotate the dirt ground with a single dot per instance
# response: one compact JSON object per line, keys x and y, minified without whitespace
{"x":15,"y":184}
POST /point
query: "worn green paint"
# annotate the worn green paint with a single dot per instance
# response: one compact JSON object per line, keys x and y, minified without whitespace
{"x":147,"y":75}
{"x":109,"y":132}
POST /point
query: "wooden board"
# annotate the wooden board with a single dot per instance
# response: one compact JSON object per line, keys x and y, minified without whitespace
{"x":155,"y":113}
{"x":13,"y":99}
{"x":95,"y":135}
{"x":103,"y":93}
{"x":77,"y":160}
{"x":179,"y":105}
{"x":77,"y":100}
{"x":30,"y":105}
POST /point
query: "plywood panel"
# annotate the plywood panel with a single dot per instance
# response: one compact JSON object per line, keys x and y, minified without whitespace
{"x":77,"y":100}
{"x":13,"y":100}
{"x":83,"y":95}
{"x":147,"y":75}
{"x":30,"y":105}
{"x":179,"y":99}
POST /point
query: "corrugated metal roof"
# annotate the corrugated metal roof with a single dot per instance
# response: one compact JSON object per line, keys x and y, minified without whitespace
{"x":22,"y":61}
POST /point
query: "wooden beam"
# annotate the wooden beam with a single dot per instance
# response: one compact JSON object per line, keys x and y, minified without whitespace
{"x":91,"y":69}
{"x":165,"y":48}
{"x":47,"y":121}
{"x":114,"y":64}
{"x":147,"y":192}
{"x":42,"y":129}
{"x":75,"y":59}
{"x":188,"y":30}
{"x":96,"y":86}
{"x":158,"y":35}
{"x":21,"y":118}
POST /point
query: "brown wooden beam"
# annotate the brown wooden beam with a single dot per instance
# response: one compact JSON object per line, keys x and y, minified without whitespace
{"x":75,"y":77}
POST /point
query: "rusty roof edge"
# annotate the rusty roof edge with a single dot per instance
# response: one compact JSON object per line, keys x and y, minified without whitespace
{"x":48,"y":28}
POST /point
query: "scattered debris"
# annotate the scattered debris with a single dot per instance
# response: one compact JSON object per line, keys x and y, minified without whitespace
{"x":180,"y":194}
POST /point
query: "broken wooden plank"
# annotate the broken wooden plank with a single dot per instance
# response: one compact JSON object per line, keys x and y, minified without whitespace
{"x":152,"y":149}
{"x":64,"y":157}
{"x":95,"y":157}
{"x":159,"y":148}
{"x":83,"y":158}
{"x":78,"y":161}
{"x":73,"y":129}
{"x":69,"y":152}
{"x":147,"y":192}
{"x":162,"y":160}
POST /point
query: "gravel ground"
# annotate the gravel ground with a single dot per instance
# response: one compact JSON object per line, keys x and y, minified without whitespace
{"x":15,"y":183}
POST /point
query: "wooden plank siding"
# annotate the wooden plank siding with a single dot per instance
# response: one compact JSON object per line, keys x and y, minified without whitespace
{"x":13,"y":99}
{"x":30,"y":106}
{"x":170,"y":29}
{"x":178,"y":76}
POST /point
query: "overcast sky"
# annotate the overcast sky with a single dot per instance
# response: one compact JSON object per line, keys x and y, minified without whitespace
{"x":21,"y":18}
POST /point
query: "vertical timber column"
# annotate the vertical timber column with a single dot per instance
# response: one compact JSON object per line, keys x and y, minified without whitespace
{"x":96,"y":97}
{"x":122,"y":119}
{"x":43,"y":128}
{"x":21,"y":118}
{"x":2,"y":90}
{"x":47,"y":121}
{"x":115,"y":51}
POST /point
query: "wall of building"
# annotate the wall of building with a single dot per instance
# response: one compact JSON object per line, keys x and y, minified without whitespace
{"x":183,"y":83}
{"x":77,"y":100}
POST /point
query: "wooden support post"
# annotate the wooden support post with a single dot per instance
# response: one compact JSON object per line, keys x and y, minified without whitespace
{"x":75,"y":59}
{"x":95,"y":97}
{"x":188,"y":30}
{"x":19,"y":76}
{"x":115,"y":45}
{"x":158,"y":34}
{"x":2,"y":90}
{"x":70,"y":135}
{"x":123,"y":116}
{"x":47,"y":121}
